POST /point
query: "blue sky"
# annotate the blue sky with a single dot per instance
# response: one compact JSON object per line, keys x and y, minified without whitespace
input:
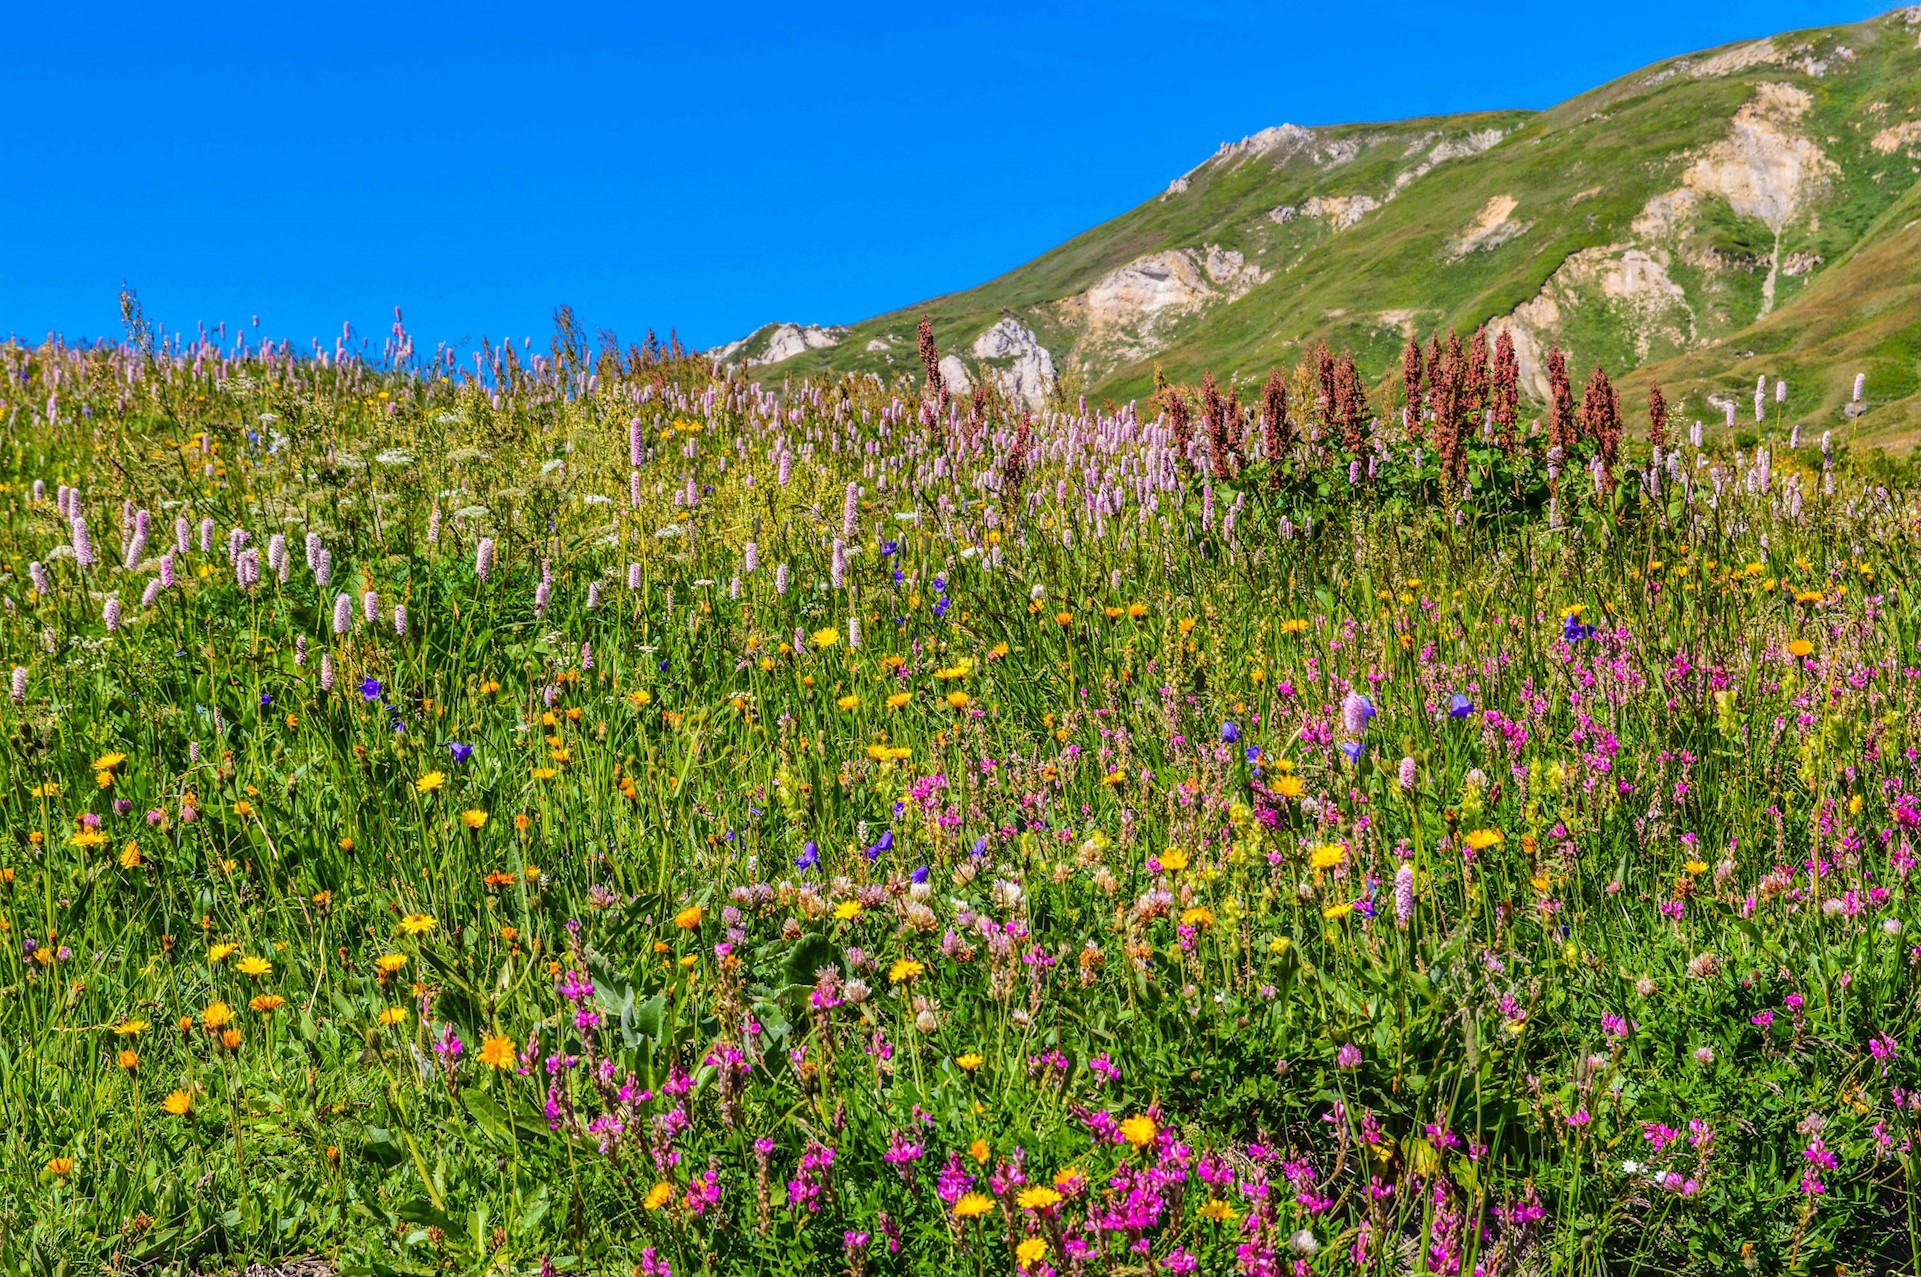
{"x":705,"y":168}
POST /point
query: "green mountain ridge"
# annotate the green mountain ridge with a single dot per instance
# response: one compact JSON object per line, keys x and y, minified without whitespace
{"x":1748,"y":211}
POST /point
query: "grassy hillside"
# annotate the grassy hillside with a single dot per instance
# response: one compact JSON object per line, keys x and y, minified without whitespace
{"x":1756,"y":198}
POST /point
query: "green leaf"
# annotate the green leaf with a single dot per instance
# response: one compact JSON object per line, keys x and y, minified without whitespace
{"x":809,"y":954}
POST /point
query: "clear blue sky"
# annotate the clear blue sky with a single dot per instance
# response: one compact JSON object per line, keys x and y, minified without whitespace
{"x":706,"y":167}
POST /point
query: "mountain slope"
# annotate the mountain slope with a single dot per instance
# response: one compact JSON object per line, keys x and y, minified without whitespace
{"x":1756,"y":198}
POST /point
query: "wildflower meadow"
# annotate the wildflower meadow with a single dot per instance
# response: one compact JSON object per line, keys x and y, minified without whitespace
{"x":580,"y":809}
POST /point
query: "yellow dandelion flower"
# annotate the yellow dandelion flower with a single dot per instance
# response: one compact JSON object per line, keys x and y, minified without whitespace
{"x":969,"y":1062}
{"x":267,"y":1003}
{"x":1800,"y":648}
{"x":473,"y":818}
{"x":217,"y":1016}
{"x":416,"y":924}
{"x":850,"y":701}
{"x":848,"y":910}
{"x":1139,"y":1131}
{"x":1328,"y":855}
{"x":430,"y":782}
{"x":1482,"y":839}
{"x":1030,"y":1252}
{"x":1038,"y":1197}
{"x":905,"y":969}
{"x":253,"y":966}
{"x":131,"y":1028}
{"x":498,"y":1051}
{"x":1198,"y":916}
{"x":1174,"y":859}
{"x":973,"y":1205}
{"x":899,"y":699}
{"x":221,"y":952}
{"x":178,"y":1103}
{"x":689,"y":918}
{"x":658,"y":1196}
{"x":393,"y":1015}
{"x":825,"y":637}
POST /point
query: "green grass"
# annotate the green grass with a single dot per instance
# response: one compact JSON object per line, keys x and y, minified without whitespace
{"x":1061,"y":876}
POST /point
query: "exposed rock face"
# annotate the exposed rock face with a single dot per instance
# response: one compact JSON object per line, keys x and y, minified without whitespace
{"x":1905,"y":136}
{"x":1021,"y":365}
{"x":1493,"y":226}
{"x":788,"y":340}
{"x":780,"y":342}
{"x":1740,"y":58}
{"x":1340,"y":211}
{"x":1632,"y":284}
{"x":1445,"y":150}
{"x":1766,"y":168}
{"x":954,"y":373}
{"x":1124,"y":315}
{"x":1283,"y":142}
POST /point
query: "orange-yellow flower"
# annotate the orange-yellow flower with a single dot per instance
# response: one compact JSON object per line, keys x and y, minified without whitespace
{"x":498,"y":1051}
{"x":973,"y":1205}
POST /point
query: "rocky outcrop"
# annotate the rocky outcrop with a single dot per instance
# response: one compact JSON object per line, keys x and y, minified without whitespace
{"x":1339,"y":211}
{"x":955,"y":374}
{"x":1493,"y":226}
{"x":1904,"y":137}
{"x":1766,"y":168}
{"x":1457,"y":148}
{"x":1125,"y":314}
{"x":1021,"y":366}
{"x":776,"y":343}
{"x":1633,"y":286}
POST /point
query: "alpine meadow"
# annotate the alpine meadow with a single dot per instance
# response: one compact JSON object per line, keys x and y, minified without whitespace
{"x":1364,"y":717}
